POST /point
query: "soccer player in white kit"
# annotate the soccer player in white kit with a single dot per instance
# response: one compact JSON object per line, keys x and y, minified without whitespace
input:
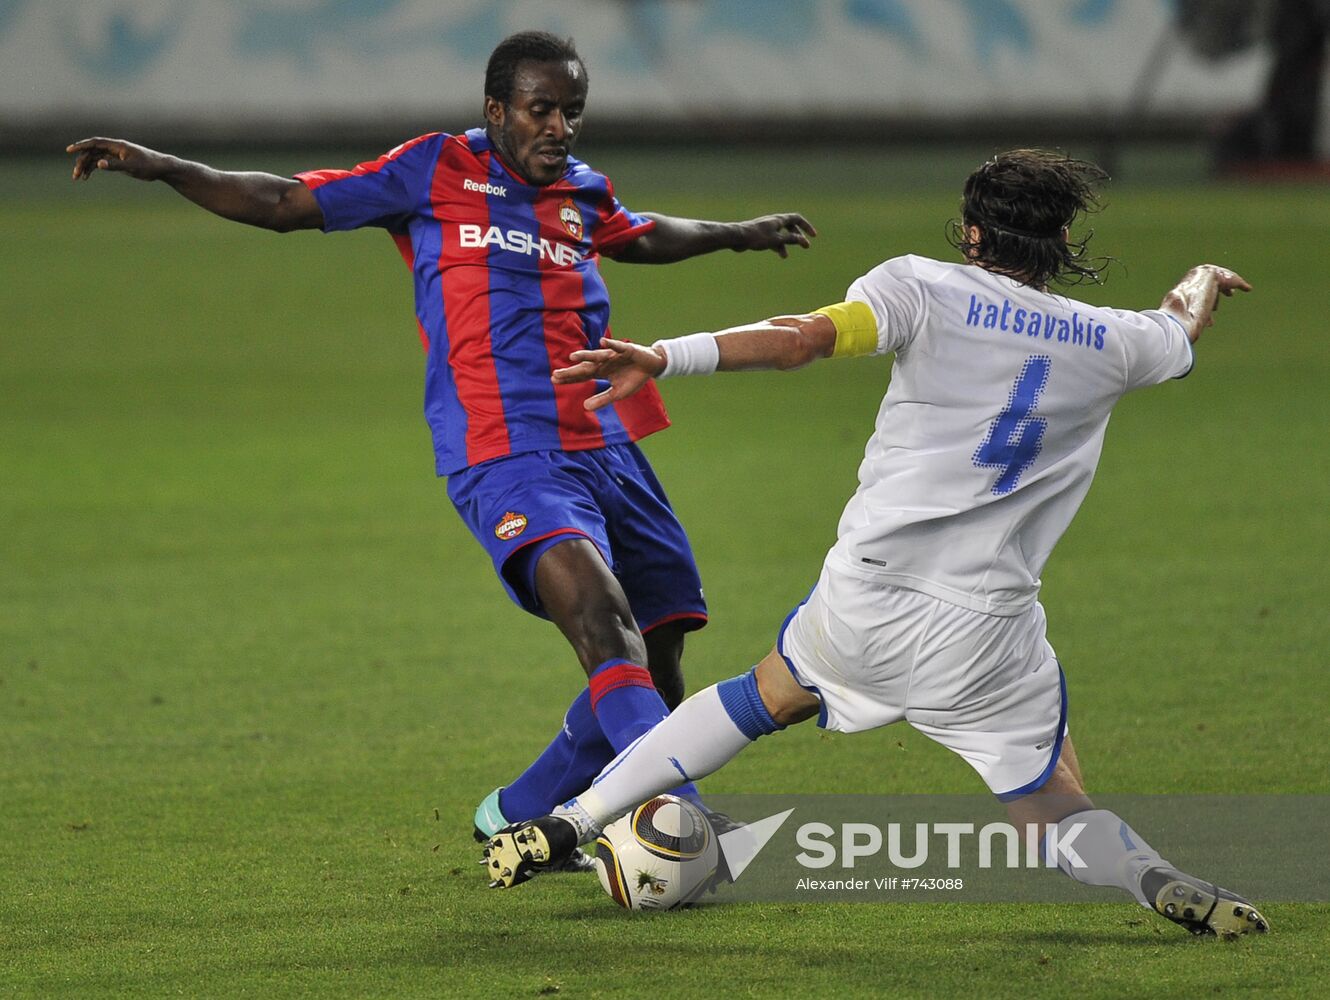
{"x":927,"y":606}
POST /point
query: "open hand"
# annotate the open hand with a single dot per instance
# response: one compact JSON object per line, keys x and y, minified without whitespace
{"x":627,"y":366}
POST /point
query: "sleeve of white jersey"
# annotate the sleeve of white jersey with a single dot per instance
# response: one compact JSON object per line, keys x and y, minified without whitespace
{"x":895,"y":295}
{"x":1156,"y":346}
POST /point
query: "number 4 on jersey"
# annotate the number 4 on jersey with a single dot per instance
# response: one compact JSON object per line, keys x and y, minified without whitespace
{"x":1014,"y":438}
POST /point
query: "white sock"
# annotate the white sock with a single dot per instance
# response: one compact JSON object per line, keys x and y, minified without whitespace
{"x":697,"y":738}
{"x":587,"y":828}
{"x":1110,"y":853}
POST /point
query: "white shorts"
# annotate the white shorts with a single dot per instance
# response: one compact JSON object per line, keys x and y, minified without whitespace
{"x":987,"y":687}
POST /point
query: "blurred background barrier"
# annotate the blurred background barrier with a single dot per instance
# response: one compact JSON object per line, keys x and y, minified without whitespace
{"x":337,"y":71}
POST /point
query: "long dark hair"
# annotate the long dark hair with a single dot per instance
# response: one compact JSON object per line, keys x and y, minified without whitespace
{"x":1021,"y":201}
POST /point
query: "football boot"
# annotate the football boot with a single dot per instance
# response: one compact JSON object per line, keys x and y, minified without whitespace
{"x":1200,"y":906}
{"x":490,"y":820}
{"x":517,"y":852}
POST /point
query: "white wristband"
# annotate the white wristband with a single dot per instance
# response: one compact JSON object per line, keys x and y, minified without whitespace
{"x":695,"y":354}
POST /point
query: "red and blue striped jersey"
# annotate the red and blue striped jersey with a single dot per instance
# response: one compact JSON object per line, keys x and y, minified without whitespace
{"x":507,"y":286}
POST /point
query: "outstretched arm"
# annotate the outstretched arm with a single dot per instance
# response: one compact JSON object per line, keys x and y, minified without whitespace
{"x":673,"y":239}
{"x":1196,"y":297}
{"x":256,"y":199}
{"x":783,"y":342}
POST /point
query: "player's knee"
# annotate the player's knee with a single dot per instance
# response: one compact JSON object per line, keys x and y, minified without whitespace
{"x":784,"y":699}
{"x":787,"y":713}
{"x":587,"y":604}
{"x":600,"y":632}
{"x":1059,"y":797}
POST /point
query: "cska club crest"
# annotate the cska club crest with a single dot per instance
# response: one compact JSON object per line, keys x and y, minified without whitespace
{"x":510,"y":526}
{"x":571,"y":218}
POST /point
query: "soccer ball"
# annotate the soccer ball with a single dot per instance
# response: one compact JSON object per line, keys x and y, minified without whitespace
{"x":660,"y":856}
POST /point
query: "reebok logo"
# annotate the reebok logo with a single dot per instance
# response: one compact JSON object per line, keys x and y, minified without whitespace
{"x":494,"y":189}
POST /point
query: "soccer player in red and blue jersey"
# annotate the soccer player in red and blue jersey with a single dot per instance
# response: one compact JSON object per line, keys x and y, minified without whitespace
{"x":502,"y":230}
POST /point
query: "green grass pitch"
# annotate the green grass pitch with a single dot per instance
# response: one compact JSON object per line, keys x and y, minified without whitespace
{"x":254,"y":674}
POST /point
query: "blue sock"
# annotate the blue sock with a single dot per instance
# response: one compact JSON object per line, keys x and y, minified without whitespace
{"x":700,"y":736}
{"x":566,"y":767}
{"x":627,"y":705}
{"x":743,"y":704}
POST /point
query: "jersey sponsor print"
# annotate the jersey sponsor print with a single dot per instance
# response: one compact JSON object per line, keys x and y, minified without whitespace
{"x":507,"y":285}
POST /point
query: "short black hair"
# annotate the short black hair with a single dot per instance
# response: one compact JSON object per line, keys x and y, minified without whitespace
{"x":1022,"y":200}
{"x":525,"y":46}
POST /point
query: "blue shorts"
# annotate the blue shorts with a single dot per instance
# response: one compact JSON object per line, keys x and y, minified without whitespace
{"x":520,"y":505}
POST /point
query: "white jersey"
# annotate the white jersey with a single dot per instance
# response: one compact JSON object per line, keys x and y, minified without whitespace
{"x":991,"y":429}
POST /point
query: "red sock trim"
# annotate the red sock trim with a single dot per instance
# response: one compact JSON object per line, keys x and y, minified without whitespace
{"x":615,"y":674}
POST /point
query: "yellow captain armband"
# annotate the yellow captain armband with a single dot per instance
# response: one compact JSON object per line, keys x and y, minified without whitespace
{"x":856,"y":329}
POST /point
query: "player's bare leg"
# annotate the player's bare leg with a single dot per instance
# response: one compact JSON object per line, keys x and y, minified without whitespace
{"x":665,"y":661}
{"x":573,"y":749}
{"x":585,"y":600}
{"x":1061,"y":796}
{"x":1114,"y":854}
{"x":1068,"y":757}
{"x":787,"y":702}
